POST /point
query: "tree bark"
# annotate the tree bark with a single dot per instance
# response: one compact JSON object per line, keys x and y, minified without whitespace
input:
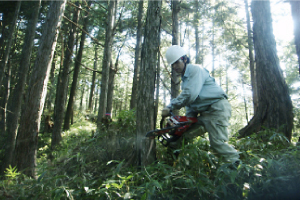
{"x":9,"y":42}
{"x":251,"y":58}
{"x":295,"y":7}
{"x":27,"y":138}
{"x":145,"y":104}
{"x":275,"y":110}
{"x":62,"y":90}
{"x":213,"y":43}
{"x":137,"y":58}
{"x":93,"y":82}
{"x":15,"y":101}
{"x":4,"y":98}
{"x":52,"y":85}
{"x":75,"y":76}
{"x":175,"y":80}
{"x":61,"y":66}
{"x":157,"y":81}
{"x":106,"y":60}
{"x":196,"y":26}
{"x":111,"y":85}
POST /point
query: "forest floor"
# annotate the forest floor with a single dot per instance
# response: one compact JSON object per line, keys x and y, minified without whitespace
{"x":91,"y":165}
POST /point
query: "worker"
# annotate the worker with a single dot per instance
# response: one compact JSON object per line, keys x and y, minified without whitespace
{"x":204,"y":99}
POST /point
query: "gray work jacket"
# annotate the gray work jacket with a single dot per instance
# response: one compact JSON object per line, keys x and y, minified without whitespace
{"x":199,"y":91}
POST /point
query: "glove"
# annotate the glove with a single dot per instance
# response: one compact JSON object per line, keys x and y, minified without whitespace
{"x":165,"y":112}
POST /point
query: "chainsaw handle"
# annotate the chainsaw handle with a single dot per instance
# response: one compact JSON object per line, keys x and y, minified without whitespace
{"x":163,"y":119}
{"x":162,"y":122}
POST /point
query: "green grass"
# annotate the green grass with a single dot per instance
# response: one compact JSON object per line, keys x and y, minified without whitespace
{"x":96,"y":167}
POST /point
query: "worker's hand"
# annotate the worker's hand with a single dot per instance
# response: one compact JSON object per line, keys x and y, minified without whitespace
{"x":165,"y":112}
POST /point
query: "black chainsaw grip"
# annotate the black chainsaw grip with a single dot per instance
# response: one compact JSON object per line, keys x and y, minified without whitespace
{"x":163,"y":119}
{"x":162,"y":122}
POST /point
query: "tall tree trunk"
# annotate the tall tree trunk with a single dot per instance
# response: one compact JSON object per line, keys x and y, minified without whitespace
{"x":61,"y":66}
{"x":196,"y":26}
{"x":75,"y":76}
{"x":251,"y":58}
{"x":93,"y":82}
{"x":213,"y":44}
{"x":62,"y":90}
{"x":245,"y":102}
{"x":111,"y":18}
{"x":126,"y":89}
{"x":295,"y":5}
{"x":275,"y":110}
{"x":175,"y":80}
{"x":111,"y":85}
{"x":4,"y":98}
{"x":145,"y":104}
{"x":137,"y":59}
{"x":15,"y":101}
{"x":27,"y":138}
{"x":9,"y":42}
{"x":202,"y":44}
{"x":96,"y":99}
{"x":81,"y":98}
{"x":52,"y":85}
{"x":157,"y":80}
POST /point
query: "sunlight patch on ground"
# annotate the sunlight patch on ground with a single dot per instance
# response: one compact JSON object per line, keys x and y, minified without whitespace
{"x":81,"y":128}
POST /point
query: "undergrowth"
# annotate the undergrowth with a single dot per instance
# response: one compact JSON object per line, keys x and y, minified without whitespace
{"x":96,"y":166}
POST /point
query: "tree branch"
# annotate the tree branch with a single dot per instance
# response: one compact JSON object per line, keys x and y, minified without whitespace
{"x":94,"y":39}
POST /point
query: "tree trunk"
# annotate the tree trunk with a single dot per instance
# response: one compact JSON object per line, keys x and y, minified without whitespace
{"x":93,"y":82}
{"x":15,"y":100}
{"x":61,"y":66}
{"x":111,"y":18}
{"x":245,"y":102}
{"x":9,"y":42}
{"x":251,"y":58}
{"x":26,"y":145}
{"x":295,"y":5}
{"x":275,"y":110}
{"x":196,"y":26}
{"x":52,"y":85}
{"x":202,"y":44}
{"x":213,"y":44}
{"x":126,"y":89}
{"x":81,"y":97}
{"x":97,"y":90}
{"x":75,"y":77}
{"x":137,"y":58}
{"x":111,"y":85}
{"x":4,"y":98}
{"x":62,"y":90}
{"x":145,"y":104}
{"x":157,"y":80}
{"x":175,"y":80}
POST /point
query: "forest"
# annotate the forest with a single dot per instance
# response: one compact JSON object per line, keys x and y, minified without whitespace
{"x":83,"y":81}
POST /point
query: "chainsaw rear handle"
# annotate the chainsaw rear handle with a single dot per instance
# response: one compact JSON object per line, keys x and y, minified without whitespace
{"x":163,"y":119}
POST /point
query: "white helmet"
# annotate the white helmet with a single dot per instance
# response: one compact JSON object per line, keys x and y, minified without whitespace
{"x":174,"y":53}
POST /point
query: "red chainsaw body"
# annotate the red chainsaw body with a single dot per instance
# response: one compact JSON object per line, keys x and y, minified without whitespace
{"x":177,"y":120}
{"x":173,"y":129}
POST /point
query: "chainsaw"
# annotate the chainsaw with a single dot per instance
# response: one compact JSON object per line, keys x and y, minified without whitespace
{"x":173,"y":130}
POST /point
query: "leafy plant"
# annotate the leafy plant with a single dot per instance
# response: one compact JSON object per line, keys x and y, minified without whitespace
{"x":85,"y":168}
{"x":12,"y":172}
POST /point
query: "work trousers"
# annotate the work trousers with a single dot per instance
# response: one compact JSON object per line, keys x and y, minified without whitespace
{"x":215,"y":122}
